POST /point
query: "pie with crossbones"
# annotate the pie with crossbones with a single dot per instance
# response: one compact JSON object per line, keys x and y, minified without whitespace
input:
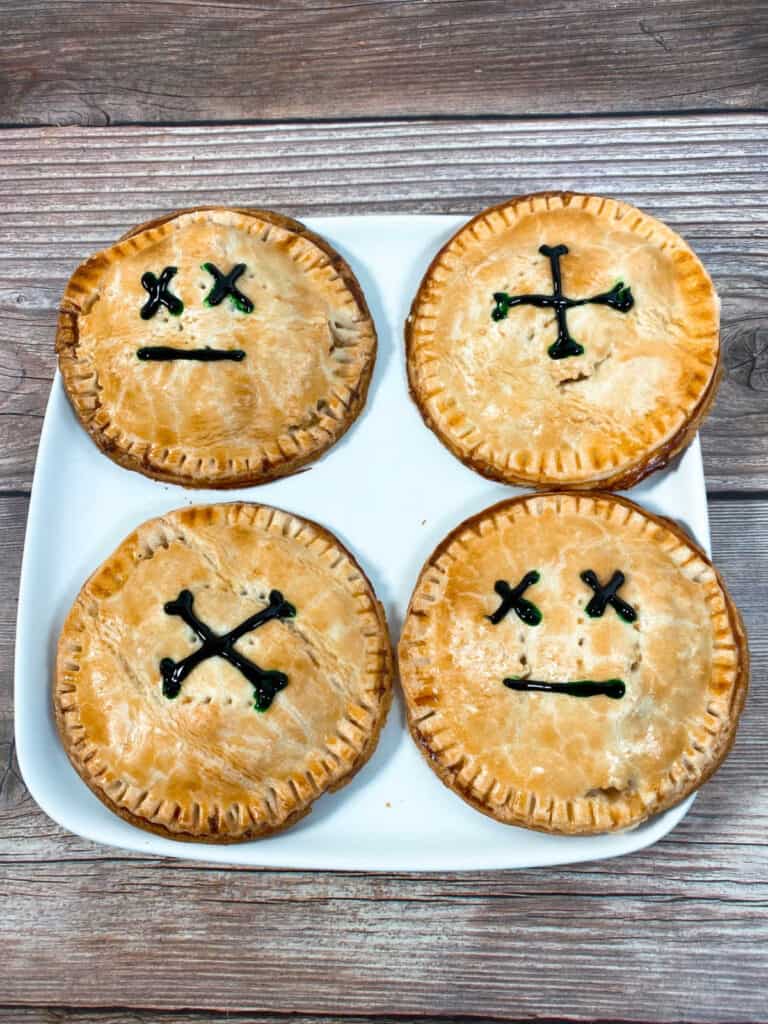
{"x":216,"y":347}
{"x":222,"y":669}
{"x":563,"y":340}
{"x":572,"y":663}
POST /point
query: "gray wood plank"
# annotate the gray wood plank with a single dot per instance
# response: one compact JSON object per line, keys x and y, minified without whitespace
{"x":70,"y":1015}
{"x":216,"y":61}
{"x":220,"y":942}
{"x":65,"y":193}
{"x":676,"y":933}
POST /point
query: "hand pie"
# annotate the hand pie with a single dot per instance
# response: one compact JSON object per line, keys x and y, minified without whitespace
{"x":572,"y":663}
{"x":222,"y":669}
{"x":563,"y":340}
{"x":216,"y":347}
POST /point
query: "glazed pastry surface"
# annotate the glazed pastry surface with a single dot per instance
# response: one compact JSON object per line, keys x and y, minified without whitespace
{"x":204,"y":762}
{"x":550,"y":760}
{"x":293,"y":346}
{"x":483,"y":373}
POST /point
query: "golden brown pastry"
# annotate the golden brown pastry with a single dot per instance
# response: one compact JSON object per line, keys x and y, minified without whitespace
{"x":216,"y":347}
{"x":572,"y":663}
{"x":563,"y":340}
{"x":222,"y":669}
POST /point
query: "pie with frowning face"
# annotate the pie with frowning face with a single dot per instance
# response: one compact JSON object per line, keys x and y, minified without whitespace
{"x":216,"y":347}
{"x":572,"y":663}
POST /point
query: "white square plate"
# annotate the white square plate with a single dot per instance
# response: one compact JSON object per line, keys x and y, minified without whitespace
{"x":391,"y":492}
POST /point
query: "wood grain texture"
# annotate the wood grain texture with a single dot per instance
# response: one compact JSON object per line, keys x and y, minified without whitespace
{"x":675,"y":933}
{"x":96,"y":63}
{"x":76,"y":1015}
{"x":66,"y":193}
{"x":678,"y":932}
{"x":217,"y":940}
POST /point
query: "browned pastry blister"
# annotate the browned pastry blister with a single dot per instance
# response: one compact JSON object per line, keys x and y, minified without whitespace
{"x":238,"y":742}
{"x":294,"y":369}
{"x":595,"y":396}
{"x":572,"y":663}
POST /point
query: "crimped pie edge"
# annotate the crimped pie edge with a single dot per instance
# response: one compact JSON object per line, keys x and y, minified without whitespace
{"x":287,"y":454}
{"x":592,"y":816}
{"x":347,"y":758}
{"x":476,"y":453}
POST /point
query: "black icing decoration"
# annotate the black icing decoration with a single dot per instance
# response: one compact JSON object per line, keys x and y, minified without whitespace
{"x":266,"y":683}
{"x":157,"y":287}
{"x":619,"y":298}
{"x":224,"y":285}
{"x":607,"y":595}
{"x":167,"y":353}
{"x":512,"y":600}
{"x":613,"y":688}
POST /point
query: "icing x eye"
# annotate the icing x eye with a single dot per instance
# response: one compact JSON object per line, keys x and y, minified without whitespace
{"x":157,"y":287}
{"x":224,"y":285}
{"x":606,"y":595}
{"x":512,"y":600}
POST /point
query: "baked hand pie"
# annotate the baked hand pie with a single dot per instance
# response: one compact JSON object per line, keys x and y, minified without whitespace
{"x":572,"y":663}
{"x":216,"y":347}
{"x":564,"y":341}
{"x":222,"y":669}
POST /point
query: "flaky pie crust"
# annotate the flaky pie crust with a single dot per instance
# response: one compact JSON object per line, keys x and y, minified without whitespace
{"x":553,"y":762}
{"x":206,"y":765}
{"x":310,"y":346}
{"x":601,"y":420}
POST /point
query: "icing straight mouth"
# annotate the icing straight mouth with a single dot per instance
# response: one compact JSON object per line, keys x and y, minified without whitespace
{"x":166,"y":353}
{"x":613,"y":688}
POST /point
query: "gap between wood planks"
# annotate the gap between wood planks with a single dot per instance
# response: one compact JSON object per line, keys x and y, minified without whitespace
{"x":128,"y":1015}
{"x":405,"y":119}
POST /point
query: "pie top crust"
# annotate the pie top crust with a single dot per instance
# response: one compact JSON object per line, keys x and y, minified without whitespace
{"x":549,"y":760}
{"x":206,"y":764}
{"x":295,"y":369}
{"x":481,"y":369}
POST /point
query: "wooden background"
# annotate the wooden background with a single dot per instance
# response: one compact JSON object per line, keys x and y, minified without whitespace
{"x":112,"y":112}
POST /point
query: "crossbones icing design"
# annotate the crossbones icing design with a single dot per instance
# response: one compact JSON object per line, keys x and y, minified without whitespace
{"x":266,"y":682}
{"x":619,"y":297}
